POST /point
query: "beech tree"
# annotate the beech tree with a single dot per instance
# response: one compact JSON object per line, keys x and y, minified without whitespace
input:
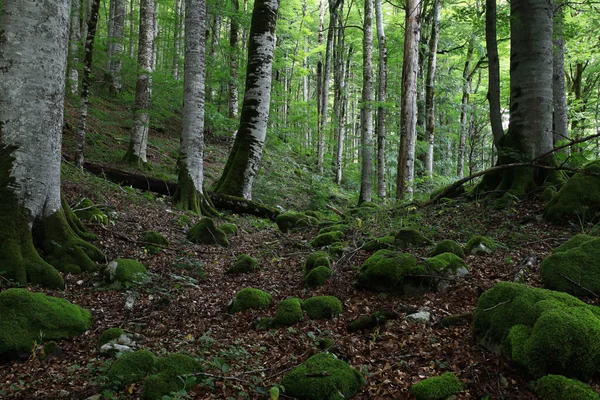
{"x":116,"y":26}
{"x":366,"y":116}
{"x":245,"y":156}
{"x":382,"y":98}
{"x":430,"y":85}
{"x":33,"y":43}
{"x":74,"y":43}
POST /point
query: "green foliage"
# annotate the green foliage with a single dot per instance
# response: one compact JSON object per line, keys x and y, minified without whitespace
{"x":290,"y":221}
{"x":110,"y":334}
{"x":130,"y":368}
{"x":206,"y":232}
{"x":448,"y":246}
{"x":322,"y":307}
{"x":86,"y":210}
{"x":250,"y":298}
{"x":323,"y":377}
{"x":335,"y":228}
{"x":437,"y":388}
{"x":29,"y":317}
{"x":289,"y":312}
{"x":169,"y":377}
{"x":386,"y":270}
{"x":317,"y":276}
{"x":557,"y":387}
{"x":244,"y":264}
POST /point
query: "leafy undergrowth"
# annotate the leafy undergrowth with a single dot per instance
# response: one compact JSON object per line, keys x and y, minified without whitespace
{"x":182,"y":308}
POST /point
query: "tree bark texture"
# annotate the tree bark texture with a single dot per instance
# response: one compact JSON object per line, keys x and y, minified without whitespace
{"x":464,"y":109}
{"x":368,"y":97}
{"x":430,"y":86}
{"x":115,"y":45}
{"x":493,"y":94}
{"x":234,"y":38}
{"x":382,"y":98}
{"x":559,"y":89}
{"x":74,"y":44}
{"x":244,"y":160}
{"x":177,"y":37}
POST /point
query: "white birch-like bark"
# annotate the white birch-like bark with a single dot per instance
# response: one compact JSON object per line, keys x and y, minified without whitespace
{"x":214,"y":47}
{"x":320,"y":135}
{"x":74,"y":43}
{"x":464,"y":109}
{"x":382,"y":98}
{"x":559,"y":88}
{"x":368,"y":97}
{"x":34,"y":37}
{"x":339,"y":105}
{"x":430,"y":86}
{"x":177,"y":36}
{"x":131,"y":28}
{"x":234,"y":38}
{"x":115,"y":45}
{"x":408,"y":113}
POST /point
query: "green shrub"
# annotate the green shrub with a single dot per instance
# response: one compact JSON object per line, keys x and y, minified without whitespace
{"x":322,"y":307}
{"x":317,"y":277}
{"x":250,"y":298}
{"x":557,"y":387}
{"x":130,"y":368}
{"x":437,"y":387}
{"x":206,"y":232}
{"x":325,"y":239}
{"x":448,"y":246}
{"x":386,"y":270}
{"x":244,"y":264}
{"x":289,"y":312}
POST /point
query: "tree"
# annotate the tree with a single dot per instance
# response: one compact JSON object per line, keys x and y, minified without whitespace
{"x":243,"y":162}
{"x":464,"y":109}
{"x":234,"y":38}
{"x":559,"y":90}
{"x":382,"y":98}
{"x":430,"y":86}
{"x":74,"y":43}
{"x":368,"y":97}
{"x":115,"y":44}
{"x":136,"y":153}
{"x":33,"y":43}
{"x":493,"y":72}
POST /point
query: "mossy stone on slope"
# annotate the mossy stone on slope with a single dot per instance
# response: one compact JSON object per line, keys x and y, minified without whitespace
{"x":446,"y":264}
{"x":384,"y":242}
{"x":154,"y":238}
{"x":575,"y":271}
{"x":316,"y":259}
{"x":411,"y":238}
{"x":294,"y":220}
{"x":130,"y":368}
{"x":125,"y":271}
{"x":323,"y":377}
{"x":25,"y":316}
{"x":322,"y":307}
{"x":168,"y":380}
{"x":480,"y":244}
{"x":87,"y":211}
{"x":385,"y":271}
{"x":335,"y":228}
{"x":289,"y":312}
{"x":557,"y":387}
{"x":572,"y":243}
{"x":244,"y":264}
{"x":229,"y":229}
{"x":317,"y":276}
{"x":437,"y":387}
{"x":325,"y":239}
{"x":109,"y":334}
{"x":250,"y":298}
{"x":448,"y":246}
{"x":206,"y":232}
{"x":578,"y":199}
{"x":543,"y":330}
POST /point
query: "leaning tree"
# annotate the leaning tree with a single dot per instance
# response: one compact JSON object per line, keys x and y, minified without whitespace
{"x":33,"y":47}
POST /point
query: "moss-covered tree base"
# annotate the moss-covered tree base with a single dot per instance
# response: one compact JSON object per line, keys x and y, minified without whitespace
{"x":188,"y":198}
{"x":132,"y":159}
{"x":75,"y":223}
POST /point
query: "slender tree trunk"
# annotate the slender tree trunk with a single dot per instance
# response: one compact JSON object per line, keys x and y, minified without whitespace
{"x":322,"y":123}
{"x":177,"y":35}
{"x":86,"y":83}
{"x":132,"y":28}
{"x":464,"y":109}
{"x":115,"y":45}
{"x":339,"y":98}
{"x":234,"y":37}
{"x":560,"y":114}
{"x":368,"y":97}
{"x":382,"y":98}
{"x":74,"y":43}
{"x":408,"y":114}
{"x":430,"y":86}
{"x":214,"y":45}
{"x":493,"y":94}
{"x":244,"y":160}
{"x":136,"y":153}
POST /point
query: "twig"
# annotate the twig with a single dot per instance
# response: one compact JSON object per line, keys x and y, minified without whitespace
{"x":498,"y":305}
{"x":335,"y":210}
{"x":231,"y":378}
{"x":578,"y":285}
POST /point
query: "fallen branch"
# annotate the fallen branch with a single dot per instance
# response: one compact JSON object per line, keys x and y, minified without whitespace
{"x":578,"y":285}
{"x":498,"y":305}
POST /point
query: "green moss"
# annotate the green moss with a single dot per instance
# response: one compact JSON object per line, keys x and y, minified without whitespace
{"x":323,"y":377}
{"x":437,"y":388}
{"x":317,"y":277}
{"x":293,"y":220}
{"x":206,"y":232}
{"x":316,"y":259}
{"x":75,"y":223}
{"x":385,"y":271}
{"x":87,"y":211}
{"x":572,"y":243}
{"x":448,"y":246}
{"x":367,"y":322}
{"x":411,"y":238}
{"x":576,"y":270}
{"x":313,"y":214}
{"x":110,"y":334}
{"x":27,"y":317}
{"x":480,"y":242}
{"x":335,"y":228}
{"x":322,"y":307}
{"x":548,"y":194}
{"x":244,"y":264}
{"x":183,"y":220}
{"x":229,"y":229}
{"x":445,"y":263}
{"x":557,"y":387}
{"x":250,"y":298}
{"x":289,"y":312}
{"x":127,"y":272}
{"x":384,"y":242}
{"x":154,"y":238}
{"x":336,"y":249}
{"x":578,"y":200}
{"x":543,"y":330}
{"x":130,"y":368}
{"x":325,"y":239}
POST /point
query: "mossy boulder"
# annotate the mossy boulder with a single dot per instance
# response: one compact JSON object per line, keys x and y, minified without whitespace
{"x":86,"y":210}
{"x":322,"y":307}
{"x":313,"y":214}
{"x":572,"y":243}
{"x":447,"y":264}
{"x":575,"y":270}
{"x":316,"y":259}
{"x":130,"y":368}
{"x":125,"y":271}
{"x":557,"y":387}
{"x":244,"y":264}
{"x":335,"y":228}
{"x":168,"y":380}
{"x":323,"y":377}
{"x":448,"y":246}
{"x":548,"y":194}
{"x":337,"y":249}
{"x":229,"y":229}
{"x":154,"y":238}
{"x":543,"y":330}
{"x":110,"y":334}
{"x":250,"y":298}
{"x":480,"y":244}
{"x":325,"y":239}
{"x":367,"y":322}
{"x":384,"y":242}
{"x":25,"y":317}
{"x":437,"y":387}
{"x":317,"y":276}
{"x":289,"y":312}
{"x":578,"y":199}
{"x":206,"y":232}
{"x":407,"y":237}
{"x":294,"y":220}
{"x":386,"y":271}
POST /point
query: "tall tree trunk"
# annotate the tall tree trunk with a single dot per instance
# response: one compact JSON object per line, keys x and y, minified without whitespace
{"x":559,"y":90}
{"x":136,"y":154}
{"x":493,"y":94}
{"x":408,"y":113}
{"x":115,"y":45}
{"x":464,"y":109}
{"x":177,"y":35}
{"x":86,"y":83}
{"x":214,"y":46}
{"x":430,"y":86}
{"x":368,"y":97}
{"x":234,"y":37}
{"x":339,"y":76}
{"x":382,"y":98}
{"x":244,"y":160}
{"x":320,"y":39}
{"x":34,"y":40}
{"x":74,"y":43}
{"x":131,"y":28}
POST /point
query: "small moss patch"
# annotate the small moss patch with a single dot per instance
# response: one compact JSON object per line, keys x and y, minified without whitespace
{"x":168,"y":380}
{"x":244,"y":264}
{"x":480,"y":244}
{"x":385,"y":271}
{"x":229,"y":229}
{"x":411,"y":238}
{"x":446,"y":264}
{"x":110,"y":334}
{"x":335,"y":228}
{"x":250,"y":298}
{"x":126,"y":272}
{"x":323,"y":377}
{"x":557,"y":387}
{"x":289,"y":312}
{"x":448,"y":246}
{"x":572,"y":243}
{"x":325,"y":239}
{"x":317,"y":277}
{"x":130,"y":368}
{"x":384,"y":242}
{"x":206,"y":232}
{"x":87,"y":211}
{"x":154,"y":238}
{"x":437,"y":388}
{"x":322,"y":307}
{"x":316,"y":259}
{"x":294,"y":220}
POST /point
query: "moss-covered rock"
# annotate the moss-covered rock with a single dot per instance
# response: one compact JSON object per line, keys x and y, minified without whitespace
{"x":154,"y":238}
{"x":335,"y":228}
{"x":313,"y":214}
{"x":407,"y":237}
{"x":572,"y":243}
{"x":250,"y":298}
{"x":557,"y":387}
{"x":244,"y":264}
{"x":337,"y":249}
{"x":448,"y":246}
{"x":480,"y":244}
{"x":543,"y":330}
{"x":386,"y":270}
{"x":229,"y":229}
{"x":289,"y":312}
{"x":437,"y":388}
{"x":447,"y":264}
{"x":578,"y":199}
{"x":184,"y":221}
{"x":294,"y":220}
{"x":168,"y":380}
{"x":323,"y":377}
{"x":126,"y":272}
{"x":110,"y":334}
{"x":367,"y":322}
{"x":86,"y":210}
{"x":384,"y":242}
{"x":26,"y":317}
{"x":322,"y":307}
{"x":317,"y":276}
{"x":548,"y":194}
{"x":575,"y":270}
{"x":325,"y":239}
{"x":206,"y":232}
{"x":130,"y":368}
{"x":316,"y":259}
